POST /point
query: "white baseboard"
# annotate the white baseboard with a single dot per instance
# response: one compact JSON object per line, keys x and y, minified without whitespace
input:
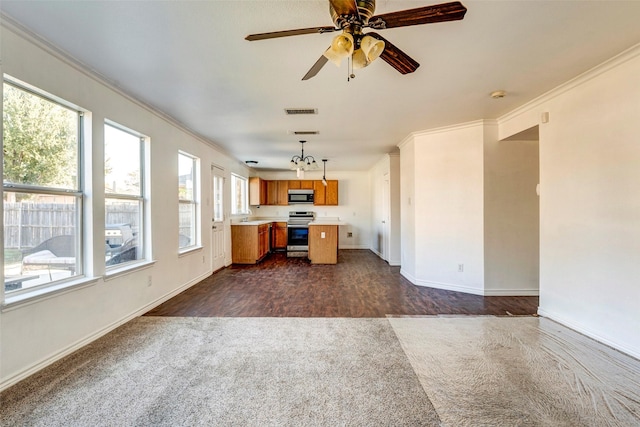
{"x":394,"y":262}
{"x":580,"y":328}
{"x":353,"y":247}
{"x":439,"y":285}
{"x":376,"y":252}
{"x":467,"y":289}
{"x":46,"y":361}
{"x":511,"y":292}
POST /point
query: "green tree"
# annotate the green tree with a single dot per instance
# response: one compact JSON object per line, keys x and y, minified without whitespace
{"x":40,"y":140}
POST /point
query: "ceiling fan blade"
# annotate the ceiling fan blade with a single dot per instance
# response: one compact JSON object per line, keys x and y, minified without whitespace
{"x":395,"y":57}
{"x":287,"y":33}
{"x":316,"y":68}
{"x":422,"y":15}
{"x":345,"y":7}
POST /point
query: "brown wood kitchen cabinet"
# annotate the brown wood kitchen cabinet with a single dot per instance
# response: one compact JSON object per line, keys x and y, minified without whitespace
{"x":323,"y":244}
{"x":304,"y":184}
{"x":257,"y":191}
{"x":325,"y":195}
{"x":249,"y":243}
{"x":277,"y":192}
{"x":279,"y":235}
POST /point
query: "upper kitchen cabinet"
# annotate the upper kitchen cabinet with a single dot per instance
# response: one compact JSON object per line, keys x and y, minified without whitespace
{"x":257,"y":191}
{"x":325,"y":195}
{"x":300,"y":184}
{"x":277,"y":192}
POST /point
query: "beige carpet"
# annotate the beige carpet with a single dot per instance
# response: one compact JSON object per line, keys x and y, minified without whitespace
{"x":519,"y":371}
{"x":158,"y":371}
{"x":454,"y":371}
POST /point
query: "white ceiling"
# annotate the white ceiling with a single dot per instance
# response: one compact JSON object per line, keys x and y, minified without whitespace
{"x":189,"y":59}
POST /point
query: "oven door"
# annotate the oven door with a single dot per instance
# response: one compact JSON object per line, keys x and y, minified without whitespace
{"x":297,"y":237}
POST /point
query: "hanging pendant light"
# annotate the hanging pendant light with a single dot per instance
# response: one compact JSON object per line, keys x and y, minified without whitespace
{"x":324,"y":172}
{"x":303,"y":163}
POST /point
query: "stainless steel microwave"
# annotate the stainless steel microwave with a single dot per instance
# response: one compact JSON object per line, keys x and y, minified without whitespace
{"x":300,"y":197}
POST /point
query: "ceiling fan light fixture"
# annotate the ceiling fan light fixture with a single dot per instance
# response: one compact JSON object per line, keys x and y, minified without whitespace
{"x":359,"y":59}
{"x":370,"y":49}
{"x":341,"y":47}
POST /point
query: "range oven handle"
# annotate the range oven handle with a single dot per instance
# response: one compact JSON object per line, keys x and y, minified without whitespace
{"x":297,"y":226}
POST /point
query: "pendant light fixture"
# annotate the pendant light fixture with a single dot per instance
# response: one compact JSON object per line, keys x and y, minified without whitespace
{"x":324,"y":172}
{"x":303,"y":163}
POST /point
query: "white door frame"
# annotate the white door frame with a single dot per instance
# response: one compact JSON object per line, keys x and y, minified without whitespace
{"x":218,"y":219}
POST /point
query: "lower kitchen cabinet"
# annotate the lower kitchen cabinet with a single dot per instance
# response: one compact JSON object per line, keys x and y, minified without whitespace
{"x":323,"y":244}
{"x":279,"y":236}
{"x":249,"y":243}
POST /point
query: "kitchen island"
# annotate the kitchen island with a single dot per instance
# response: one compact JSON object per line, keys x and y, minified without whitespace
{"x":323,"y":241}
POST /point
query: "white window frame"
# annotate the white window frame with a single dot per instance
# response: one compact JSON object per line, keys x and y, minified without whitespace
{"x":244,"y":208}
{"x":194,"y":202}
{"x":78,"y":193}
{"x":143,"y":252}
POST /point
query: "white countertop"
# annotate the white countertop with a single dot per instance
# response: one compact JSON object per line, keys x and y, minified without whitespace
{"x":256,"y":222}
{"x":327,"y":222}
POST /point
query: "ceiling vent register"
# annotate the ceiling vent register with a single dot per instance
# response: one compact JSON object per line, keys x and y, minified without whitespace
{"x":297,"y":111}
{"x":304,"y":132}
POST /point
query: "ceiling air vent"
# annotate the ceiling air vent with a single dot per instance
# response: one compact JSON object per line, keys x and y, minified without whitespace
{"x":304,"y":132}
{"x":296,"y":111}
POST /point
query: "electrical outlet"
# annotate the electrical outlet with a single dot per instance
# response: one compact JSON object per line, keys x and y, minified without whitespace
{"x":323,"y":235}
{"x":149,"y":282}
{"x":349,"y":234}
{"x":460,"y":268}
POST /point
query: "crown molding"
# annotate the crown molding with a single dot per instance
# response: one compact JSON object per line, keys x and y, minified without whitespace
{"x":445,"y":129}
{"x":579,"y":80}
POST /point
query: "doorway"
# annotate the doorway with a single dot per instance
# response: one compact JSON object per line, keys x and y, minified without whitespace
{"x":217,"y":218}
{"x":512,"y":215}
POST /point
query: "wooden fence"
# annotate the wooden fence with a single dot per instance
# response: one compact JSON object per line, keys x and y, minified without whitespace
{"x":27,"y":224}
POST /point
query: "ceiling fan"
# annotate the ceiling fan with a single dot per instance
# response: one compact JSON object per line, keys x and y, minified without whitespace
{"x":352,"y":16}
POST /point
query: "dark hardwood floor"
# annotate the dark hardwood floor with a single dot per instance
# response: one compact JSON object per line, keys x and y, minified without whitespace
{"x":360,"y":285}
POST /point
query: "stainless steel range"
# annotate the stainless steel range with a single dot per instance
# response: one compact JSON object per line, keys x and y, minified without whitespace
{"x":298,"y":233}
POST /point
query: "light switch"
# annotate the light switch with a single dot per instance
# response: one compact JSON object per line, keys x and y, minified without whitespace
{"x":322,"y":235}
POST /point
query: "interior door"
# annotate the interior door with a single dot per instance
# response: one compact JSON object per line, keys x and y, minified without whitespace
{"x":217,"y":218}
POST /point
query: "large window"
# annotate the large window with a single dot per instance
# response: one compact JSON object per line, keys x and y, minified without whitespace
{"x":124,"y":195}
{"x":239,"y":195}
{"x":42,"y":188}
{"x":188,"y":201}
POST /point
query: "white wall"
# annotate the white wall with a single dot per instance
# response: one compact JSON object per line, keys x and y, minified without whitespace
{"x":448,"y":202}
{"x":36,"y":333}
{"x":511,"y":216}
{"x":395,"y":230}
{"x":589,"y":201}
{"x":407,"y":208}
{"x":354,"y":205}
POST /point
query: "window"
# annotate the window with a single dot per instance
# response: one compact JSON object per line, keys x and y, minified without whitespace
{"x":42,"y":188}
{"x":239,"y":195}
{"x":124,"y":195}
{"x":188,"y":201}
